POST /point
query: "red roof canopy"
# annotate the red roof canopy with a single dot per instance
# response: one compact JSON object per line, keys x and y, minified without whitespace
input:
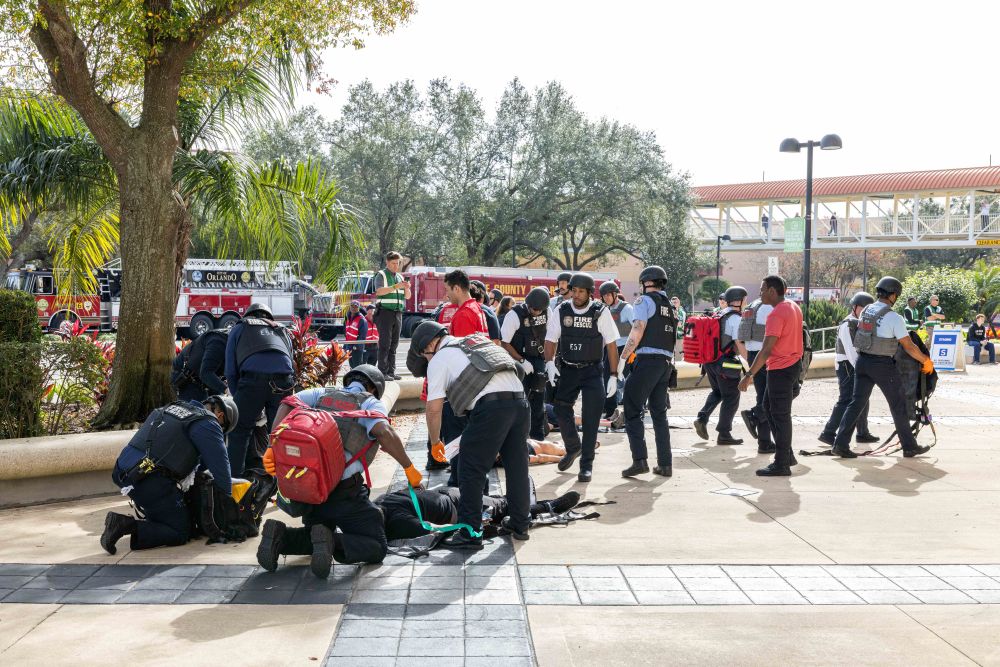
{"x":941,"y":180}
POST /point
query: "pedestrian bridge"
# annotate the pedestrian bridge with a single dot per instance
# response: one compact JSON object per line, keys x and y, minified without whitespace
{"x":949,"y":208}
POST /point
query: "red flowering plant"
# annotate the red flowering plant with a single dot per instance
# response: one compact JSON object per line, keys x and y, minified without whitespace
{"x":316,"y":365}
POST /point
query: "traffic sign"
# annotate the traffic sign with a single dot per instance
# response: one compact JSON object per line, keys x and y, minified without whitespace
{"x":772,"y":266}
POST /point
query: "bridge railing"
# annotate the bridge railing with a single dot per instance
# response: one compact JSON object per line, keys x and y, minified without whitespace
{"x":896,"y":228}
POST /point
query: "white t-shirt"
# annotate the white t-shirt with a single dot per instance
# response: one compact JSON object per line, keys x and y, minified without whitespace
{"x":509,"y":326}
{"x":732,"y":324}
{"x":892,"y":325}
{"x":762,"y":313}
{"x":850,"y":352}
{"x":449,"y":362}
{"x":605,"y":324}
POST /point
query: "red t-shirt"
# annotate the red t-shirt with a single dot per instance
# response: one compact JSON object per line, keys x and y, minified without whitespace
{"x":468,"y":319}
{"x":446,"y":313}
{"x":785,"y":322}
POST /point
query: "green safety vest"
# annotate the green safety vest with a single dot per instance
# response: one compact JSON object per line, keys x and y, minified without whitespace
{"x":912,"y":318}
{"x":935,"y":310}
{"x":393,"y":300}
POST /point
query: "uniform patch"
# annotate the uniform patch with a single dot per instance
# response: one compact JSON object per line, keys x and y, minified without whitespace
{"x":567,"y":321}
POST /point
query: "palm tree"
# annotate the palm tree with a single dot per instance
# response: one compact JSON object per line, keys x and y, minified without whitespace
{"x":986,"y":278}
{"x":50,"y":165}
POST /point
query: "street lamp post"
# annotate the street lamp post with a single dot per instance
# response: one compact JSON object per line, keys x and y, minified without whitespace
{"x":718,"y":254}
{"x":830,"y":142}
{"x":513,"y":241}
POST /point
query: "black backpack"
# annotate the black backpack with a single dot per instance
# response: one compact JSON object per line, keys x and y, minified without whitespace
{"x":218,"y":517}
{"x":804,"y":362}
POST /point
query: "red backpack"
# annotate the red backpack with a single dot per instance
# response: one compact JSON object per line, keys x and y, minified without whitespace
{"x":702,"y":338}
{"x":309,"y":453}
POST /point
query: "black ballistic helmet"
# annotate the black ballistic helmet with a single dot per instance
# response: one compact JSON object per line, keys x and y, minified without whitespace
{"x":734,"y":293}
{"x":367,"y":374}
{"x":260,"y":310}
{"x":425,"y":332}
{"x":862,"y":299}
{"x":888,"y":285}
{"x":609,"y":287}
{"x":228,"y":406}
{"x":582,"y":280}
{"x":416,"y":362}
{"x":538,"y":298}
{"x":564,"y":276}
{"x":652,"y":274}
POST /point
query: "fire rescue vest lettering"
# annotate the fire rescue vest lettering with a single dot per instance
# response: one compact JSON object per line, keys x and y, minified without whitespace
{"x":164,"y":440}
{"x":750,"y":330}
{"x":529,"y":339}
{"x":352,"y":434}
{"x":485,"y":361}
{"x":394,"y":300}
{"x":260,"y":335}
{"x":580,"y":341}
{"x":624,"y":328}
{"x":661,"y":328}
{"x":867,"y":340}
{"x":852,"y":327}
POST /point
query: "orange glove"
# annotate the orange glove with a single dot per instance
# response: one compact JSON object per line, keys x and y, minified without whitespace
{"x":437,"y":452}
{"x":928,"y":367}
{"x":413,"y":476}
{"x":269,"y":467}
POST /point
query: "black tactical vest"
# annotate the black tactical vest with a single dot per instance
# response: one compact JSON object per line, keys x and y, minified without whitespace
{"x":529,"y":339}
{"x":259,"y":335}
{"x":852,"y":330}
{"x":196,"y":351}
{"x":485,"y":361}
{"x":164,"y":438}
{"x":661,"y":328}
{"x":580,"y":341}
{"x":352,"y":434}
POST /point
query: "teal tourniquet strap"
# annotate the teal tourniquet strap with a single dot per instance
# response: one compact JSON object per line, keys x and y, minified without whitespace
{"x":440,"y":529}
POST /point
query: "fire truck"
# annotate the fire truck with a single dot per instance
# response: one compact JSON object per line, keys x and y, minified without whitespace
{"x":214,"y":294}
{"x":427,"y":292}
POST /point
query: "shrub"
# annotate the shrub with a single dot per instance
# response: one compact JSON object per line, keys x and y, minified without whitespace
{"x":20,"y":368}
{"x":315,"y":365}
{"x":823,"y":314}
{"x":18,"y":317}
{"x":954,"y":286}
{"x":75,"y":373}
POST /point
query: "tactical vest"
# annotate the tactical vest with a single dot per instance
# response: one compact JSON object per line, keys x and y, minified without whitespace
{"x":485,"y":361}
{"x":196,"y":351}
{"x":725,"y":340}
{"x":259,"y":335}
{"x":661,"y":327}
{"x":624,"y":328}
{"x":353,"y":435}
{"x":852,"y":330}
{"x":866,"y":340}
{"x":164,"y":439}
{"x":750,"y":330}
{"x":529,"y":339}
{"x":580,"y":341}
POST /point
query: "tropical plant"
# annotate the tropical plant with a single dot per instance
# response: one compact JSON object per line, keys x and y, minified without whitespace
{"x":315,"y":365}
{"x":986,"y":281}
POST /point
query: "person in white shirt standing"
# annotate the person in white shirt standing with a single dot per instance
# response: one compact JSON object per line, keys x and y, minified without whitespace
{"x":846,"y":358}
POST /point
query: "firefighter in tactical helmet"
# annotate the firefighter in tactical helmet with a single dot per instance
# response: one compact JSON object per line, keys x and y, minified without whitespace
{"x":846,"y":359}
{"x":880,"y":333}
{"x":361,"y":538}
{"x":160,"y":459}
{"x":199,"y":370}
{"x":260,"y":374}
{"x":652,"y":339}
{"x":724,"y":373}
{"x":579,"y":332}
{"x":522,"y":335}
{"x":562,"y":289}
{"x":751,"y":334}
{"x":622,"y":314}
{"x":491,"y":393}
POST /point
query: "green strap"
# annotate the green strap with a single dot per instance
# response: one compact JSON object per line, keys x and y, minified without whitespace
{"x":439,"y":529}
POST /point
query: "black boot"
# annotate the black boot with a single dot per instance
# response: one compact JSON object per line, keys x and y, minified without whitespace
{"x":867,"y":439}
{"x":701,"y":428}
{"x":507,"y":526}
{"x":563,"y":503}
{"x":585,"y":475}
{"x":844,"y":453}
{"x":567,"y":461}
{"x":638,"y":467}
{"x":749,"y":422}
{"x":322,"y":554}
{"x":116,"y":526}
{"x":664,"y":471}
{"x":728,"y":439}
{"x":916,"y":451}
{"x":272,"y":542}
{"x":460,"y":539}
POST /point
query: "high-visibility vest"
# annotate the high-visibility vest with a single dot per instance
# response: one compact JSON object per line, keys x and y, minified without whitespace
{"x":351,"y":328}
{"x":372,"y":330}
{"x":394,"y":300}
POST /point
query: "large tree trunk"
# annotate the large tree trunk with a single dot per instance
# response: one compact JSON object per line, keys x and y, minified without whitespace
{"x":20,"y":239}
{"x":154,"y":233}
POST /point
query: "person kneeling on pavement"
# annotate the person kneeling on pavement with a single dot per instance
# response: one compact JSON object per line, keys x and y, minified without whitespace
{"x":160,"y":460}
{"x":361,"y":538}
{"x":480,"y":379}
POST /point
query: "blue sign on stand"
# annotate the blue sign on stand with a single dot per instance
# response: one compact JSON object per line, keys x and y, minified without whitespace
{"x":944,"y":348}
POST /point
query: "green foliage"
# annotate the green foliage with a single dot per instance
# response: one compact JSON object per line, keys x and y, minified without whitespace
{"x":710,"y":290}
{"x":18,"y":317}
{"x":20,"y":389}
{"x":74,"y":371}
{"x":824,"y":314}
{"x":955,"y":287}
{"x":986,"y":280}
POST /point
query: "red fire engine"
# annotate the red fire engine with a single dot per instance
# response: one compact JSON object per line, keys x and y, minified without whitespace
{"x":427,"y":292}
{"x":214,"y":294}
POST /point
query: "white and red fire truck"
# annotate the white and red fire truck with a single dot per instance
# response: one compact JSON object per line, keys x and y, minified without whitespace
{"x":214,"y":294}
{"x":427,"y":292}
